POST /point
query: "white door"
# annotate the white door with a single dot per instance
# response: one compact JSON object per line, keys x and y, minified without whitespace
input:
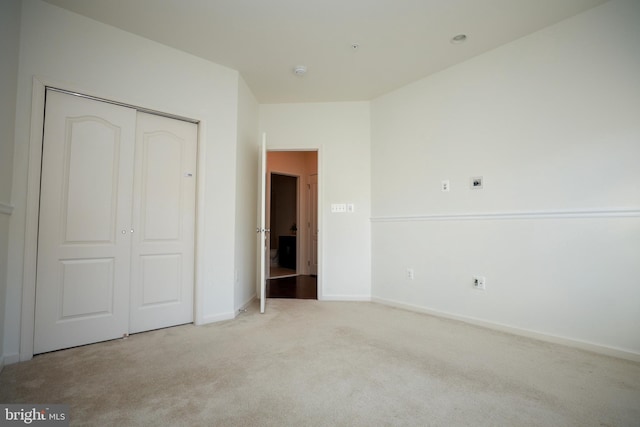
{"x":116,"y":226}
{"x":84,"y":240}
{"x":262,"y":232}
{"x":163,"y":237}
{"x":313,"y":224}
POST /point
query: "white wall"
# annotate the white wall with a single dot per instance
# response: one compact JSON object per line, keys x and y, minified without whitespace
{"x":246,"y":197}
{"x":341,"y":132}
{"x":81,"y":54}
{"x":551,"y":121}
{"x":9,"y":48}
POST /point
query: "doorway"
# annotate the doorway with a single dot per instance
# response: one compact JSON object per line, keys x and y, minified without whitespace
{"x":292,"y":183}
{"x":283,"y":214}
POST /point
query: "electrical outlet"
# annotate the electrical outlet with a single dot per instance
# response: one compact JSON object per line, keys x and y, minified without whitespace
{"x":444,"y":186}
{"x":479,"y":283}
{"x":476,"y":183}
{"x":410,"y":274}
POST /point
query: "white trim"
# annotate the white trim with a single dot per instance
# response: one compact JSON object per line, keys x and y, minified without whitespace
{"x":6,"y":208}
{"x":321,"y":267}
{"x":199,"y":258}
{"x":569,"y":342}
{"x":217,"y":318}
{"x":244,"y":306}
{"x":321,"y":216}
{"x":27,"y":325}
{"x":354,"y":298}
{"x":9,"y":359}
{"x":604,"y":213}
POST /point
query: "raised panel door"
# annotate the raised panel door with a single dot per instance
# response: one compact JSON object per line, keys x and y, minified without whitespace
{"x":162,"y":273}
{"x":83,"y":237}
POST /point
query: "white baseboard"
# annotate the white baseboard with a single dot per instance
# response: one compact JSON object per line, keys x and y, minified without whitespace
{"x":569,"y":342}
{"x":8,"y":359}
{"x":216,"y":318}
{"x":247,"y":304}
{"x":359,"y":298}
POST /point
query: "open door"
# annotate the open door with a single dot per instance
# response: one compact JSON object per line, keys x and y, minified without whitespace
{"x":261,"y":230}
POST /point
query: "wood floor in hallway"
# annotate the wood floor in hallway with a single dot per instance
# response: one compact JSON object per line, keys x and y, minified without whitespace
{"x":301,"y":287}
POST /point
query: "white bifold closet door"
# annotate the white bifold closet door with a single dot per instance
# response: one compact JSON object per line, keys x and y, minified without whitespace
{"x":116,"y":225}
{"x":162,"y":263}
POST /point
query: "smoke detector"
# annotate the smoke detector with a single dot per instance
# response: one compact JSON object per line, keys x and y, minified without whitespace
{"x":300,"y":70}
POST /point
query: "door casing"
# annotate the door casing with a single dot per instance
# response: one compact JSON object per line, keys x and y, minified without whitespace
{"x":302,"y":197}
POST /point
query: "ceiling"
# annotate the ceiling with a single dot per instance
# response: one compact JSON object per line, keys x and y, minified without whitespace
{"x":399,"y":41}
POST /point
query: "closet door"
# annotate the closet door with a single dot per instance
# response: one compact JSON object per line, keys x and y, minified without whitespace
{"x":84,"y":238}
{"x":162,"y":271}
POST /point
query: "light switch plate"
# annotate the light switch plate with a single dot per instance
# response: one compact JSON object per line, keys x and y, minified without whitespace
{"x":338,"y":207}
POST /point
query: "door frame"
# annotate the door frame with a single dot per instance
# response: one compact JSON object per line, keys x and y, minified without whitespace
{"x":320,"y":151}
{"x":27,"y":316}
{"x":309,"y":203}
{"x":268,"y":206}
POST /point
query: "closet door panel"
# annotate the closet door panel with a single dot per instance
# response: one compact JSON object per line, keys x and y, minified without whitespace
{"x":162,"y":278}
{"x":82,"y":289}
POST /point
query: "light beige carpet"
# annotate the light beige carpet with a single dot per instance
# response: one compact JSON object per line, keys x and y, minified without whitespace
{"x":310,"y":363}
